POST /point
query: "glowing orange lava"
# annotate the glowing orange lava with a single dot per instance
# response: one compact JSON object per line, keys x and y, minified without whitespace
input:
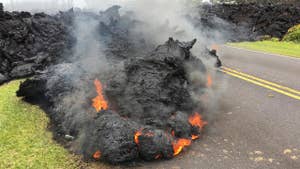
{"x":194,"y":137}
{"x":99,"y":102}
{"x":209,"y":81}
{"x":97,"y":155}
{"x":196,"y":120}
{"x":136,"y":136}
{"x":180,"y":144}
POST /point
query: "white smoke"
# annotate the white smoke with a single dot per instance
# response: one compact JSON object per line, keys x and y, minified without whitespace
{"x":88,"y":51}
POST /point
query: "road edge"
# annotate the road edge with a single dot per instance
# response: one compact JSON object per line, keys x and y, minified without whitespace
{"x":260,"y":52}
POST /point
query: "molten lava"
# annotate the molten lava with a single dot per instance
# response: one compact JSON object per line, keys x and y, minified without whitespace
{"x":194,"y":137}
{"x":196,"y":120}
{"x":136,"y":136}
{"x":209,"y":81}
{"x":180,"y":144}
{"x":99,"y":102}
{"x":97,"y":155}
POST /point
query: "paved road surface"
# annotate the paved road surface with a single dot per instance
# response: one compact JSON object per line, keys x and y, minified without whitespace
{"x":254,"y":127}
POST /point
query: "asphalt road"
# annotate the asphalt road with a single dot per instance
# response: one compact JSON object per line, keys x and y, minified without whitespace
{"x":252,"y":127}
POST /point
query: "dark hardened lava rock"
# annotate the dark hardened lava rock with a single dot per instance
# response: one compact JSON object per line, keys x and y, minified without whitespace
{"x":115,"y":31}
{"x":243,"y":22}
{"x":156,"y":83}
{"x":113,"y":135}
{"x":154,"y":96}
{"x":1,"y":9}
{"x":154,"y":144}
{"x":29,"y":43}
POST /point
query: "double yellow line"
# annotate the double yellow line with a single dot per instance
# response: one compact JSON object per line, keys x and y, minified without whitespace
{"x":263,"y":83}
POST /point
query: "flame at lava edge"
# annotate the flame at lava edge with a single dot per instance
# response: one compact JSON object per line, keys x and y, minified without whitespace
{"x":196,"y":121}
{"x":179,"y":144}
{"x":194,"y":137}
{"x":99,"y":102}
{"x":137,"y":135}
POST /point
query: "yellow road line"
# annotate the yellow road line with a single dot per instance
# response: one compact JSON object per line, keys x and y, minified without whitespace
{"x":263,"y":81}
{"x":262,"y":85}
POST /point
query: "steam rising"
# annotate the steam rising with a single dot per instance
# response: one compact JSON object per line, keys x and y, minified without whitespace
{"x":88,"y":51}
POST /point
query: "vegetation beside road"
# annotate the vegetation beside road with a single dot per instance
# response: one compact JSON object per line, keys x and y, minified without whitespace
{"x":275,"y":47}
{"x":25,"y":141}
{"x":293,"y":34}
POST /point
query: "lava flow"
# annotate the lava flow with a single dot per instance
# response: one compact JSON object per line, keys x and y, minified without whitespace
{"x":99,"y":102}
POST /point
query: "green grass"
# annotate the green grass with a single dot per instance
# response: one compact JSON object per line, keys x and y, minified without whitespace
{"x":25,"y":141}
{"x":282,"y":48}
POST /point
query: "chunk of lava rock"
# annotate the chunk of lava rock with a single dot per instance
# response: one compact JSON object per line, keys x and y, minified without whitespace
{"x":2,"y":79}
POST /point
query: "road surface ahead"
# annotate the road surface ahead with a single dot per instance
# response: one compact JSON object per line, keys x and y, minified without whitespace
{"x":257,"y":125}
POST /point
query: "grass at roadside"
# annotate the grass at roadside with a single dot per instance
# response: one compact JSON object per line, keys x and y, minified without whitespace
{"x":25,"y":141}
{"x":276,"y":47}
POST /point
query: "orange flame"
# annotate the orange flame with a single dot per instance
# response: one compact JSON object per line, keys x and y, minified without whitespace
{"x":196,"y":120}
{"x":180,"y":144}
{"x":194,"y":137}
{"x":99,"y":103}
{"x":209,"y":81}
{"x":136,"y":136}
{"x":97,"y":155}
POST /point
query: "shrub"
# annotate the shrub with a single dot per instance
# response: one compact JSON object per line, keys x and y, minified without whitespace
{"x":293,"y":34}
